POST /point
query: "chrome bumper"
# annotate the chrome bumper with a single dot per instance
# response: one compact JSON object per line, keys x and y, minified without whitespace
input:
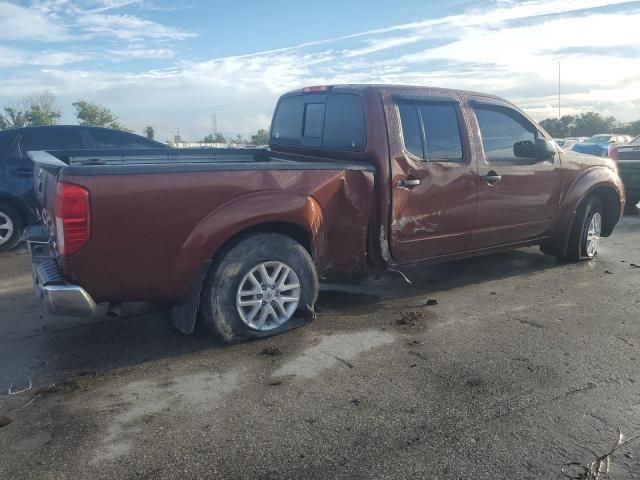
{"x":60,"y":297}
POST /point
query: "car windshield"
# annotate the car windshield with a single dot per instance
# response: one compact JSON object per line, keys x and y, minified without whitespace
{"x":598,"y":139}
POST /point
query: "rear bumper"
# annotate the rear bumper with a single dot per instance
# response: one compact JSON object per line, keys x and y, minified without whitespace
{"x":59,"y":296}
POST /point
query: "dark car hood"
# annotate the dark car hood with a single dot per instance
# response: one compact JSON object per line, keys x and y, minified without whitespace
{"x":591,"y":148}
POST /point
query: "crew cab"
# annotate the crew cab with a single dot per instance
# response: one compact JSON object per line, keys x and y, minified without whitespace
{"x":358,"y":178}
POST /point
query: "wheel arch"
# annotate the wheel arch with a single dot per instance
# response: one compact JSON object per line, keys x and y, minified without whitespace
{"x":26,"y":214}
{"x":185,"y":315}
{"x":599,"y":181}
{"x":611,"y":205}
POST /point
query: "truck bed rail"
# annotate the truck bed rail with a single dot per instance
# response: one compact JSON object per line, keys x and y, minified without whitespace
{"x":148,"y":156}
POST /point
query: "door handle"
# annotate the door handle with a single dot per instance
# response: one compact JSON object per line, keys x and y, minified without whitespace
{"x":409,"y":183}
{"x":491,"y":177}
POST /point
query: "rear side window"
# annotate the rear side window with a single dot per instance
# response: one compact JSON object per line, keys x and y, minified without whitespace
{"x":51,"y":139}
{"x":431,"y":131}
{"x":6,"y":140}
{"x":287,"y":124}
{"x":333,"y":121}
{"x":113,"y":139}
{"x":344,"y":123}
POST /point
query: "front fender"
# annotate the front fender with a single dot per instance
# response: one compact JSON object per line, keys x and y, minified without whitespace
{"x":592,"y":179}
{"x":242,"y":213}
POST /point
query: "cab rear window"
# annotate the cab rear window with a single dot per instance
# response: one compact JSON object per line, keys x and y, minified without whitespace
{"x":333,"y":121}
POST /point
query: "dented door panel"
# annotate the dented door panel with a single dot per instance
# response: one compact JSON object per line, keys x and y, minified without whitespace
{"x":435,"y":216}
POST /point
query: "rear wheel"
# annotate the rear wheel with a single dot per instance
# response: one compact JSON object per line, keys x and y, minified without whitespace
{"x":11,"y":226}
{"x":586,"y":230}
{"x":256,"y":287}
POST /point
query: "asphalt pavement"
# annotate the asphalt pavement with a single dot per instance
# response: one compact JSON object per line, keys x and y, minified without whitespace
{"x":509,"y":366}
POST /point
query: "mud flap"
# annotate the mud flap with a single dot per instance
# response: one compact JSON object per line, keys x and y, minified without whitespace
{"x":184,"y":316}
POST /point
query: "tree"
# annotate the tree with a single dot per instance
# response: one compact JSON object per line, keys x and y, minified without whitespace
{"x":590,"y":123}
{"x":35,"y":109}
{"x":583,"y":125}
{"x":260,"y":138}
{"x":149,"y":132}
{"x":634,"y":128}
{"x":13,"y":118}
{"x":93,"y":115}
{"x":239,"y":139}
{"x":555,"y":127}
{"x":41,"y":108}
{"x":219,"y":138}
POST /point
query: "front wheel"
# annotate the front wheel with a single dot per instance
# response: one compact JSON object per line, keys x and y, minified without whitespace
{"x":257,"y":286}
{"x":586,"y":230}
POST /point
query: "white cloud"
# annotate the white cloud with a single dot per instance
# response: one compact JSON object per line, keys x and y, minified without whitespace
{"x":10,"y":57}
{"x":21,"y":23}
{"x":128,"y":27}
{"x":148,"y":53}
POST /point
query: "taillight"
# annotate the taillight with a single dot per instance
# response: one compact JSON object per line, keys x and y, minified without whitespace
{"x":613,"y":153}
{"x":72,"y":218}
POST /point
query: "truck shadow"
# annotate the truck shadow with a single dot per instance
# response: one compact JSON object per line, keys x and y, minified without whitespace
{"x":363,"y":296}
{"x":47,"y":349}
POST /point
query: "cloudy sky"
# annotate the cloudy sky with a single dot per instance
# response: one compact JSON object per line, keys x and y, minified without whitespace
{"x":173,"y":64}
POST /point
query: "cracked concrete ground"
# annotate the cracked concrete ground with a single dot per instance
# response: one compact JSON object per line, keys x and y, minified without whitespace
{"x":523,"y":366}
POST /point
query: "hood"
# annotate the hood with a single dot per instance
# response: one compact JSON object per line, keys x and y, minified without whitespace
{"x":583,"y":162}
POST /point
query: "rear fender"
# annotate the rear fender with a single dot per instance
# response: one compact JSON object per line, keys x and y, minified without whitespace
{"x":243,"y":213}
{"x":591,"y":180}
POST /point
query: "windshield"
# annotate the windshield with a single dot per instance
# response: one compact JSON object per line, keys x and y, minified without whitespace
{"x":599,"y":139}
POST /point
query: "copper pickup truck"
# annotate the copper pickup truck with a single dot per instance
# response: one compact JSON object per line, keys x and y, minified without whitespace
{"x":357,"y":178}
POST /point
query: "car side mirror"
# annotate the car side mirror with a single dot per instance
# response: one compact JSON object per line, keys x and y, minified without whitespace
{"x":544,"y":149}
{"x":524,"y":149}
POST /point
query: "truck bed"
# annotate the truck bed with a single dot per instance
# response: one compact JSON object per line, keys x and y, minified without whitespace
{"x":156,"y":216}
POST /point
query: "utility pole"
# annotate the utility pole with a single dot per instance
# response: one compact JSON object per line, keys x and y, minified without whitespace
{"x":558,"y":90}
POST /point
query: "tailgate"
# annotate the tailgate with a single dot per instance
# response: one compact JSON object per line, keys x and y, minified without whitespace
{"x":45,"y":190}
{"x":629,"y":152}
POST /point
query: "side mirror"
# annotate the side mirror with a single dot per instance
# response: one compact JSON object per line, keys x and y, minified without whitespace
{"x":544,"y":149}
{"x":524,"y":149}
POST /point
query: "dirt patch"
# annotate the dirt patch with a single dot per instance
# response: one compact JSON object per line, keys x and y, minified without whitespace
{"x":67,"y":386}
{"x":4,"y":421}
{"x":410,"y":318}
{"x":271,"y":352}
{"x":531,"y":323}
{"x":348,"y":303}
